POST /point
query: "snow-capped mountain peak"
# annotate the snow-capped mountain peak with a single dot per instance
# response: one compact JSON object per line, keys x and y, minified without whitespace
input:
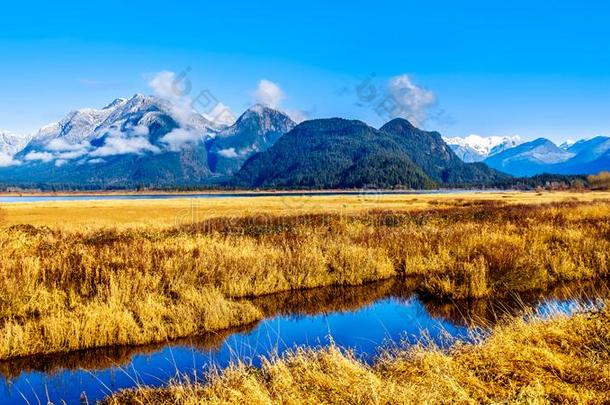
{"x":87,"y":124}
{"x":116,"y":103}
{"x":136,"y":137}
{"x":121,"y":108}
{"x":475,"y":148}
{"x":266,"y":118}
{"x":257,"y":129}
{"x":258,"y":109}
{"x":10,"y":143}
{"x":77,"y":126}
{"x":567,"y":144}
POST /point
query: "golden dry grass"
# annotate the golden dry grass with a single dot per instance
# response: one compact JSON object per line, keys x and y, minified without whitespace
{"x":69,"y":287}
{"x":562,"y":360}
{"x":81,"y":215}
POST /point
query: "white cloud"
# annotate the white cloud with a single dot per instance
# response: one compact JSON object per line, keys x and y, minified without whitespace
{"x":7,"y":160}
{"x":118,"y":144}
{"x":140,"y":130}
{"x":64,"y":151}
{"x":228,"y":153}
{"x":269,"y":94}
{"x":232,"y":153}
{"x":41,"y":156}
{"x":59,"y":144}
{"x":410,"y":101}
{"x":220,"y":115}
{"x":61,"y":150}
{"x":72,"y":154}
{"x":179,"y":137}
{"x":165,"y":85}
{"x":297,"y":116}
{"x":96,"y":161}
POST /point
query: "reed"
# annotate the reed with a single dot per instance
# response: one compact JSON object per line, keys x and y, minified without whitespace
{"x":600,"y":181}
{"x":66,"y":289}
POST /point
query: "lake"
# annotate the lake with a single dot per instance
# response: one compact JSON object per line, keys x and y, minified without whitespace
{"x":160,"y":196}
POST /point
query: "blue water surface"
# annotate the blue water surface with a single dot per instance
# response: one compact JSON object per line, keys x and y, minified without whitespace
{"x":169,"y":196}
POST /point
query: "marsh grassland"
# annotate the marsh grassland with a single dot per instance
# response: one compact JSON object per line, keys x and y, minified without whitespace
{"x":173,"y":269}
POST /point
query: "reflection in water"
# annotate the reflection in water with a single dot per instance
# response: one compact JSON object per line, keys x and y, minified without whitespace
{"x":362,"y":318}
{"x":327,"y":300}
{"x":485,"y":313}
{"x":107,"y":357}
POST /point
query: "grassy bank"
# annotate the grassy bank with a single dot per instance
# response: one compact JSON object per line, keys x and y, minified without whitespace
{"x":562,"y":360}
{"x":68,"y":289}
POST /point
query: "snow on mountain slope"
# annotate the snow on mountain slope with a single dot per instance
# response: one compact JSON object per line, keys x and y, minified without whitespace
{"x":10,"y":143}
{"x":587,"y":150}
{"x":123,"y":125}
{"x":77,"y":126}
{"x":143,"y":140}
{"x":543,"y":156}
{"x":529,"y":158}
{"x":257,"y":129}
{"x":259,"y":120}
{"x":475,"y":148}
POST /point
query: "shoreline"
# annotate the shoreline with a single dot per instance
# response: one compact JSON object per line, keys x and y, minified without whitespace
{"x":321,"y":192}
{"x":536,"y":361}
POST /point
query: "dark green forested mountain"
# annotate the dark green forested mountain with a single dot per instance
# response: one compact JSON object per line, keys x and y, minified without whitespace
{"x":334,"y":153}
{"x":437,"y":159}
{"x":345,"y":154}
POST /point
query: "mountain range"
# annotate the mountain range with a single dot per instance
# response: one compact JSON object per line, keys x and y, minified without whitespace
{"x":339,"y":153}
{"x":511,"y":155}
{"x":144,"y":140}
{"x":543,"y":156}
{"x":475,"y":148}
{"x":150,"y":141}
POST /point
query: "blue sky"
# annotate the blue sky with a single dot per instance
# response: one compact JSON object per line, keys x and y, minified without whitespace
{"x":528,"y":68}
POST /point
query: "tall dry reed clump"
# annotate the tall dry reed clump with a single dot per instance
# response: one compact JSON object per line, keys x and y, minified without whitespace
{"x":67,"y":290}
{"x":562,"y":360}
{"x":600,"y":181}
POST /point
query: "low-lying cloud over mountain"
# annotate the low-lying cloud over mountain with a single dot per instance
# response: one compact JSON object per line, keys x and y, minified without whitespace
{"x":158,"y":140}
